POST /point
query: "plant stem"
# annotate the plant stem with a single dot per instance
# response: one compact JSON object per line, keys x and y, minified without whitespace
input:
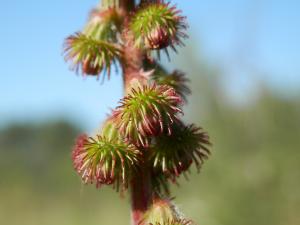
{"x":140,"y":186}
{"x":141,"y":196}
{"x":127,"y":5}
{"x":141,"y":190}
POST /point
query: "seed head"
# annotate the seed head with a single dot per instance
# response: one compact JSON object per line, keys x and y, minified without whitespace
{"x":101,"y":161}
{"x":157,"y":25}
{"x":163,"y":212}
{"x":176,"y":80}
{"x":90,"y":55}
{"x":104,"y":24}
{"x":174,"y":222}
{"x":147,"y":111}
{"x":173,"y":154}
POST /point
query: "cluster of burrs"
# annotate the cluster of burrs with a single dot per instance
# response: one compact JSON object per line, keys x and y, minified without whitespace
{"x":145,"y":130}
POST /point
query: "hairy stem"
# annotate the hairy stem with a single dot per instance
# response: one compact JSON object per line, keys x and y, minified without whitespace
{"x":141,"y":196}
{"x":141,"y":191}
{"x":132,"y":65}
{"x":140,"y":186}
{"x":127,"y":5}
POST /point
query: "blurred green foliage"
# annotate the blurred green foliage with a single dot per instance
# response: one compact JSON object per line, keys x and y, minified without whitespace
{"x":252,"y":177}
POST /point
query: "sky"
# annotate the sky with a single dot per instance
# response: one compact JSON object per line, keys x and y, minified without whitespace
{"x":36,"y":84}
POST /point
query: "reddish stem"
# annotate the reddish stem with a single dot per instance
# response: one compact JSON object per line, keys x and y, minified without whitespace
{"x":141,"y":190}
{"x":127,"y":5}
{"x":132,"y":65}
{"x":141,"y":196}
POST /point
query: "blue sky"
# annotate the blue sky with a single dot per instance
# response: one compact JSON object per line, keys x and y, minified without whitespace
{"x":35,"y":83}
